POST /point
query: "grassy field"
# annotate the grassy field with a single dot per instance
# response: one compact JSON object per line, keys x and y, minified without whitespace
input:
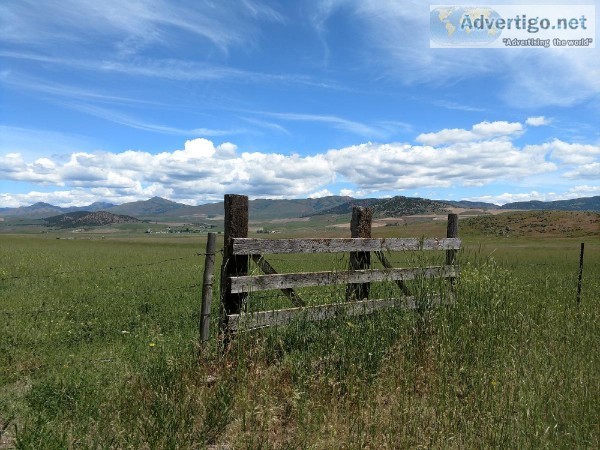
{"x":98,"y":349}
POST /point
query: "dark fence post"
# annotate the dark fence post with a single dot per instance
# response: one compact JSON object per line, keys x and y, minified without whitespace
{"x":580,"y":274}
{"x":236,"y":226}
{"x":360,"y":227}
{"x":451,"y":232}
{"x":207,"y":287}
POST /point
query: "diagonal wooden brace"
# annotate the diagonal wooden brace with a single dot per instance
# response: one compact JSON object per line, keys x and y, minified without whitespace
{"x":263,"y":265}
{"x":401,"y":284}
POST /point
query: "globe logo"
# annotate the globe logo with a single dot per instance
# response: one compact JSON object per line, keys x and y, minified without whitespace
{"x":463,"y":26}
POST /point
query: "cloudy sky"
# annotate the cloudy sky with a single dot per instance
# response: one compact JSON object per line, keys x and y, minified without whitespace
{"x":191,"y":99}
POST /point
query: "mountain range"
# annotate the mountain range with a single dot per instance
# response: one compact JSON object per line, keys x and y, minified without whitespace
{"x":160,"y":208}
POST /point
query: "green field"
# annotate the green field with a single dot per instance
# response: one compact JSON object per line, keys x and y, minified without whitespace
{"x":98,"y":349}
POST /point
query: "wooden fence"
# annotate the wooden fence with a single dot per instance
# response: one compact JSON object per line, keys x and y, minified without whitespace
{"x":238,"y":249}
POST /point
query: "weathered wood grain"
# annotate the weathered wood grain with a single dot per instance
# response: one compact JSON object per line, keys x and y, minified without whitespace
{"x":388,"y":265}
{"x":360,"y":227}
{"x":249,"y":321}
{"x":236,"y":226}
{"x":451,"y":233}
{"x":244,"y":284}
{"x":264,"y":265}
{"x":250,"y":246}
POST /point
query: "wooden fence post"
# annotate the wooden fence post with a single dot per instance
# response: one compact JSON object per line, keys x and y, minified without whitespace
{"x":236,"y":226}
{"x":360,"y":227}
{"x":580,"y":276}
{"x":207,"y":287}
{"x":452,"y":232}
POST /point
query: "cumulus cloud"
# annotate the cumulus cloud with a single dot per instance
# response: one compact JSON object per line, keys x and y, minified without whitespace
{"x":585,"y":171}
{"x":380,"y":167}
{"x":483,"y":130}
{"x":203,"y":171}
{"x":569,"y":153}
{"x":537,"y":121}
{"x":321,"y":193}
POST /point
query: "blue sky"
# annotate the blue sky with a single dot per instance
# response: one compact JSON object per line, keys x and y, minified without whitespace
{"x":189,"y":100}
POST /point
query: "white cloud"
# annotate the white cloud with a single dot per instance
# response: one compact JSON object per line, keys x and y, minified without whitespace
{"x":395,"y":44}
{"x":483,"y":130}
{"x":585,"y":171}
{"x":537,"y":121}
{"x":574,"y":192}
{"x":132,"y":122}
{"x":321,"y":193}
{"x":203,"y":171}
{"x":132,"y":25}
{"x":380,"y":167}
{"x":570,"y":153}
{"x":337,"y":122}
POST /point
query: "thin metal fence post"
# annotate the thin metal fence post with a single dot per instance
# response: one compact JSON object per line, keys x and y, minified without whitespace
{"x":207,"y":287}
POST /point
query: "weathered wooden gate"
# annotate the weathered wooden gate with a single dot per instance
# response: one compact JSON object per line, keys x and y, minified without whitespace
{"x":236,"y":283}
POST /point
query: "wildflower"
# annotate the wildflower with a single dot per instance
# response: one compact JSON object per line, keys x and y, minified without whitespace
{"x":152,"y":344}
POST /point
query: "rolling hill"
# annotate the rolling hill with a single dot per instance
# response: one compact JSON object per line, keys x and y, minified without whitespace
{"x":88,"y":219}
{"x":469,"y":205}
{"x":391,"y":207}
{"x":534,"y":223}
{"x":156,"y":206}
{"x":576,"y":204}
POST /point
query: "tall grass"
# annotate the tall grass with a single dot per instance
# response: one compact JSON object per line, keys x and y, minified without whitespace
{"x":107,"y":359}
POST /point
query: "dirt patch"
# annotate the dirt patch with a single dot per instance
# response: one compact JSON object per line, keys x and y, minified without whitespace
{"x":7,"y":438}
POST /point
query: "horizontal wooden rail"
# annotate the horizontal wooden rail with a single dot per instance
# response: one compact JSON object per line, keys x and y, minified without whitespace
{"x":268,"y":269}
{"x":249,"y":246}
{"x":249,"y":321}
{"x":293,"y":280}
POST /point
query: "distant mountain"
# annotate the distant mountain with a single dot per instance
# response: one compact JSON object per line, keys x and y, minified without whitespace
{"x":391,"y":207}
{"x":87,"y":219}
{"x":469,"y":205}
{"x":35,"y":211}
{"x":40,"y":210}
{"x":96,"y":206}
{"x":346,"y":207}
{"x":272,"y":209}
{"x":576,"y":204}
{"x":265,"y":209}
{"x":156,"y":206}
